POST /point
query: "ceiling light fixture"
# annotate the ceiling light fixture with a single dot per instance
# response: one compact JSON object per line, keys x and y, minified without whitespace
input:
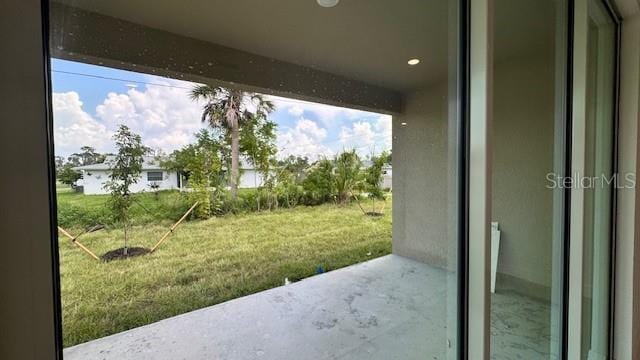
{"x":328,"y":3}
{"x":413,"y":62}
{"x":403,"y":124}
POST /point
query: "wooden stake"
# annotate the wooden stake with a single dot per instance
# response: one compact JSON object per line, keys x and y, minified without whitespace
{"x":173,"y":227}
{"x":76,"y":242}
{"x":358,"y":201}
{"x":384,"y":204}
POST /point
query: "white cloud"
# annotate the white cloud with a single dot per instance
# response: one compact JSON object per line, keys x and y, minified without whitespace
{"x":162,"y":114}
{"x":296,"y":110}
{"x":327,"y":114}
{"x":73,"y":127}
{"x":359,"y":133}
{"x":165,"y":116}
{"x":311,"y":128}
{"x":303,"y":140}
{"x":383,"y":128}
{"x":367,"y":136}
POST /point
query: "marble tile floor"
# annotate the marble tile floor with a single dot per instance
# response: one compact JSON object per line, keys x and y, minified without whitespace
{"x":387,"y":308}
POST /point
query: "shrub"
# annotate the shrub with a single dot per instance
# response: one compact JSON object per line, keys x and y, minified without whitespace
{"x":76,"y":216}
{"x":288,"y":191}
{"x":318,"y":183}
{"x":373,"y":177}
{"x":347,"y":175}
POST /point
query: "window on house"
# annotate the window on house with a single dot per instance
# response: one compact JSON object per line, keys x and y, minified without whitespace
{"x":154,"y":176}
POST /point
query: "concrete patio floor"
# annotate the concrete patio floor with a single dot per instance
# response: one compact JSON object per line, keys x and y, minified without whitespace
{"x":386,"y":308}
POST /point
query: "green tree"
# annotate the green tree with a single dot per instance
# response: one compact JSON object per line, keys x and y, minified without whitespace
{"x":347,"y":174}
{"x":86,"y":156}
{"x":67,"y":175}
{"x":125,"y":171}
{"x":230,"y":111}
{"x":287,"y":181}
{"x":182,"y":160}
{"x":373,"y":177}
{"x":59,"y":161}
{"x":257,"y":145}
{"x":200,"y":164}
{"x":288,"y":189}
{"x":296,"y":165}
{"x":318,"y":183}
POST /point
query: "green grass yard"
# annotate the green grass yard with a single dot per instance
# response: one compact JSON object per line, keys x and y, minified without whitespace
{"x":204,"y":262}
{"x":78,"y":210}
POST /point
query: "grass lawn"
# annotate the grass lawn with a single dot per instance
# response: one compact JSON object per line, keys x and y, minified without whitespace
{"x":205,"y":263}
{"x":79,"y":210}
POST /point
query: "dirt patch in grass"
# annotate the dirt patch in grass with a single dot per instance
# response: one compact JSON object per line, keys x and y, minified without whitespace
{"x":374,"y":213}
{"x":118,"y":254}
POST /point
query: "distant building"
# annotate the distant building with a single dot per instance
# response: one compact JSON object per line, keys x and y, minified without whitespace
{"x":387,"y":177}
{"x":387,"y":174}
{"x":94,"y":177}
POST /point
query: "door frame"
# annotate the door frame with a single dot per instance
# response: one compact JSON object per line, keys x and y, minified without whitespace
{"x":578,"y":93}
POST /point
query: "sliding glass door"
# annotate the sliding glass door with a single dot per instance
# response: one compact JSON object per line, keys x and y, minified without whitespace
{"x":551,"y":142}
{"x":276,"y":128}
{"x":528,"y":162}
{"x":599,"y":168}
{"x":493,"y":241}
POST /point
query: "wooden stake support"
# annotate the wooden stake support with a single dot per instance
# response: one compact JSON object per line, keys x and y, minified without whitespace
{"x":74,"y":239}
{"x":358,"y":201}
{"x":173,"y":227}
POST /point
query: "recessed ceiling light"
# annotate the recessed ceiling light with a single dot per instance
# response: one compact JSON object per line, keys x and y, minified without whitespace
{"x":413,"y":62}
{"x":328,"y":3}
{"x":403,"y":123}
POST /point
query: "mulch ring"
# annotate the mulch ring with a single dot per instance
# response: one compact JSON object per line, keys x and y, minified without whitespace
{"x":374,"y":213}
{"x":118,"y":254}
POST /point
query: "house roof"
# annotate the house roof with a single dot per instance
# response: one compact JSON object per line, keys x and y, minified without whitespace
{"x":149,"y":163}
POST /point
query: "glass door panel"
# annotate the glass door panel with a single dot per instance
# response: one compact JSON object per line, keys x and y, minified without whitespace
{"x":529,"y":148}
{"x":598,"y":190}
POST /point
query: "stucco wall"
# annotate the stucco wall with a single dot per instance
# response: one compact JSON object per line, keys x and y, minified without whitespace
{"x":420,"y":183}
{"x":250,"y":179}
{"x":523,"y":155}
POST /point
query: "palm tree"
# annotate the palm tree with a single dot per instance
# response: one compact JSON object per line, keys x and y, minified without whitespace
{"x":347,"y":174}
{"x":227,"y":110}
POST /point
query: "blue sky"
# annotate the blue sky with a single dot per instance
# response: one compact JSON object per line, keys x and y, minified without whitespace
{"x":90,"y":102}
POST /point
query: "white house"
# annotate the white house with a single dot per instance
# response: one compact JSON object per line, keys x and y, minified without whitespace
{"x":94,"y":177}
{"x":387,"y":176}
{"x":249,"y":177}
{"x":387,"y":173}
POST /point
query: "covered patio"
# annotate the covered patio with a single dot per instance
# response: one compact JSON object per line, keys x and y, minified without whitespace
{"x":386,"y":308}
